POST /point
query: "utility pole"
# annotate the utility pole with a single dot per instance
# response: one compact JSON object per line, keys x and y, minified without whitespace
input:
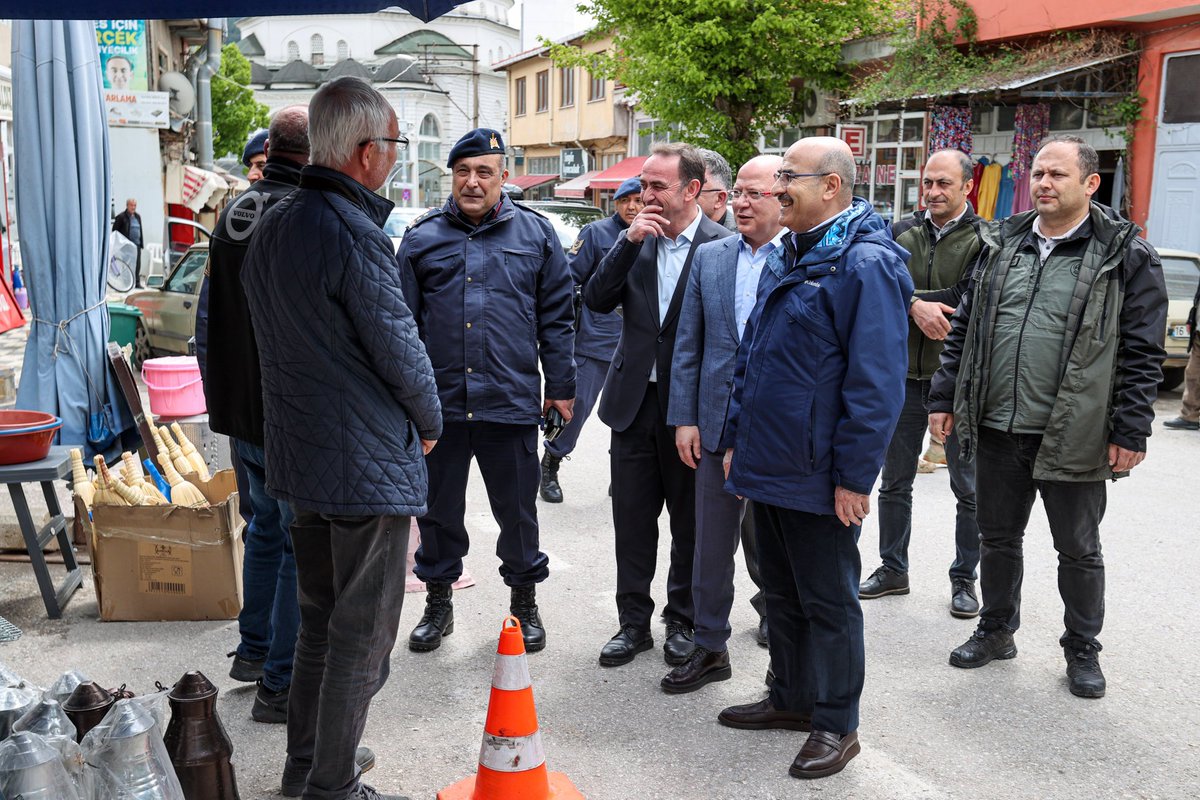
{"x":475,"y":85}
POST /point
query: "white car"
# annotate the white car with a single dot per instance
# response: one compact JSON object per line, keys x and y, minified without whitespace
{"x":398,"y":222}
{"x":1181,"y":270}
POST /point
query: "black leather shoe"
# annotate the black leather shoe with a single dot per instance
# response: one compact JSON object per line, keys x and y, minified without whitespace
{"x":824,"y":754}
{"x":621,"y":648}
{"x":270,"y":707}
{"x":883,"y":581}
{"x":523,"y":606}
{"x":1084,"y":677}
{"x":761,"y":636}
{"x":245,"y":670}
{"x":679,"y":644}
{"x":983,"y":647}
{"x":550,"y":491}
{"x":703,"y":666}
{"x":295,"y":778}
{"x":763,"y":716}
{"x":364,"y":792}
{"x":963,"y":602}
{"x":436,"y":622}
{"x":1181,"y":424}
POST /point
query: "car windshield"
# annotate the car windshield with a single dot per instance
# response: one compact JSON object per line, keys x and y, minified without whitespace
{"x":186,"y":276}
{"x":568,"y":221}
{"x":1182,"y":276}
{"x":398,"y":221}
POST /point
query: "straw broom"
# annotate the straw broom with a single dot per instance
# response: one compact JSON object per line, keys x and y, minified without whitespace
{"x":182,"y":492}
{"x":177,"y":457}
{"x":190,"y":452}
{"x":79,"y":479}
{"x":105,"y":495}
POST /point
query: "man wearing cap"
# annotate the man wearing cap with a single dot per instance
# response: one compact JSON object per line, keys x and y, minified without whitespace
{"x":598,"y":334}
{"x":254,"y":156}
{"x":491,"y":291}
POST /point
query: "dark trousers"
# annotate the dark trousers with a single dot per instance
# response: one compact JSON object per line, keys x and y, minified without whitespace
{"x":589,"y":380}
{"x":646,"y":473}
{"x":508,"y":461}
{"x":1004,"y":464}
{"x":895,"y":490}
{"x":810,"y":569}
{"x":350,"y":572}
{"x":719,"y":526}
{"x":758,"y":601}
{"x":270,"y":616}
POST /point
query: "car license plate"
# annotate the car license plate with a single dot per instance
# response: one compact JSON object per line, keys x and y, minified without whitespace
{"x":1180,"y":332}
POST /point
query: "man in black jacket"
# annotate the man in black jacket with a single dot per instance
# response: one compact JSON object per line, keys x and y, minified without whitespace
{"x":228,"y":357}
{"x":129,"y":224}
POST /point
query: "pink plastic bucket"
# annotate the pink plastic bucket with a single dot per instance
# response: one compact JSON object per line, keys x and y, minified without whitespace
{"x":174,"y":386}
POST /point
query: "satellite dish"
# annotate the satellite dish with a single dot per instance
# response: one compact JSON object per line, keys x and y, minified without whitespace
{"x":183,"y":96}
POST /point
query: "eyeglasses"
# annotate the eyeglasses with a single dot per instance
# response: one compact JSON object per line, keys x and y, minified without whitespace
{"x":710,"y":191}
{"x":658,"y":187}
{"x":400,"y":142}
{"x":738,"y":194}
{"x":787,"y":176}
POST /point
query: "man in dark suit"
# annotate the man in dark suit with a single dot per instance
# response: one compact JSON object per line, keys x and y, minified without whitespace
{"x":129,"y":224}
{"x":721,"y":291}
{"x":646,"y":272}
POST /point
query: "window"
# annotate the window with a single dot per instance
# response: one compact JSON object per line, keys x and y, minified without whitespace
{"x":566,"y":87}
{"x":595,"y":88}
{"x":542,"y":165}
{"x":543,"y":90}
{"x":343,"y":50}
{"x":519,"y":97}
{"x":293,"y":52}
{"x":317,"y":48}
{"x":186,"y":277}
{"x":429,"y":157}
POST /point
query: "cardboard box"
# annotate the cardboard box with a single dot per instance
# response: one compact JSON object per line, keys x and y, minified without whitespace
{"x":169,"y":562}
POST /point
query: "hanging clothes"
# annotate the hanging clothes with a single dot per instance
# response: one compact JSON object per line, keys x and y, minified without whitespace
{"x":1118,"y":187}
{"x":1021,"y":198}
{"x":950,"y":129}
{"x":1030,"y":126}
{"x":977,"y":178}
{"x":989,"y":188}
{"x":1004,"y":199}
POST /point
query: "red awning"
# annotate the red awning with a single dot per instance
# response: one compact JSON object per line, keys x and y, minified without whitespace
{"x":530,"y":181}
{"x":612,"y":177}
{"x":576,"y":188}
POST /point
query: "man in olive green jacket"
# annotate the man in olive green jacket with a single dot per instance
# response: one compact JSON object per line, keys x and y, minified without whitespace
{"x":1049,"y":376}
{"x":944,"y":242}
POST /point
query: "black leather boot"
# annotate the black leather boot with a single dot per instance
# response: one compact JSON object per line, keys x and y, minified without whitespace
{"x":551,"y":492}
{"x":523,"y":606}
{"x":436,"y":622}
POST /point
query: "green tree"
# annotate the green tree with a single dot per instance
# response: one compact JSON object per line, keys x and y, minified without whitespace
{"x":235,"y":111}
{"x":724,"y":70}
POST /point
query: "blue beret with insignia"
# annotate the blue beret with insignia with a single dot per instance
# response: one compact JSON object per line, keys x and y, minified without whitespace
{"x":627,"y":187}
{"x":479,"y":142}
{"x":254,"y":147}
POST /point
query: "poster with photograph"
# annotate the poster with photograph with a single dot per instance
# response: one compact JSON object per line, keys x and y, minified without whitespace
{"x":123,"y":53}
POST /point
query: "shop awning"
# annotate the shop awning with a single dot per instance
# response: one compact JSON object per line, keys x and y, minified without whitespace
{"x":530,"y":181}
{"x":611,"y":178}
{"x":194,"y":187}
{"x":576,"y":188}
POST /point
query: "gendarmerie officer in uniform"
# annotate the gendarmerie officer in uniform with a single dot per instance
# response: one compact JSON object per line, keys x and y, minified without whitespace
{"x":489,"y":285}
{"x":598,"y":334}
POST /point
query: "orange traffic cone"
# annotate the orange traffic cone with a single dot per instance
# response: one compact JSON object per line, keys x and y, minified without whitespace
{"x":512,"y":762}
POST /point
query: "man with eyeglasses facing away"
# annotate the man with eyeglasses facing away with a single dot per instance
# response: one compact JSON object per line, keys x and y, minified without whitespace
{"x":721,"y":291}
{"x":817,"y":391}
{"x":714,"y":194}
{"x":491,"y":290}
{"x":646,"y":272}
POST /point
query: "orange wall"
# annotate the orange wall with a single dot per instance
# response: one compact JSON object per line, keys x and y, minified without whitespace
{"x":1009,"y":19}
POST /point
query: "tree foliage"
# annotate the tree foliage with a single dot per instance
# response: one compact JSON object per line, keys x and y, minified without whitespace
{"x":235,"y":111}
{"x":724,"y":70}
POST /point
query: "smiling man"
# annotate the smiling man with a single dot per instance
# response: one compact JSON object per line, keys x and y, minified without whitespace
{"x":489,"y":285}
{"x":1048,"y":377}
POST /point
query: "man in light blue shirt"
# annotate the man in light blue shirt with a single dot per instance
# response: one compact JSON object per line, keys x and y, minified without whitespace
{"x":721,"y":290}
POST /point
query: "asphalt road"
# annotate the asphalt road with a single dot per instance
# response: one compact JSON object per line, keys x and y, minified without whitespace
{"x":1008,"y":730}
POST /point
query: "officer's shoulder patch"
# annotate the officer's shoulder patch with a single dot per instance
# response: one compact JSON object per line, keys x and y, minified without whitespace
{"x":428,"y":215}
{"x":575,"y":248}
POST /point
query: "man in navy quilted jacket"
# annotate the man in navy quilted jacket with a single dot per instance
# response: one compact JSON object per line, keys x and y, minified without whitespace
{"x":489,"y":285}
{"x":350,"y":410}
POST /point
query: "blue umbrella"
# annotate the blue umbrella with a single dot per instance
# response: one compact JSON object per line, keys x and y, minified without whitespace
{"x":183,"y":9}
{"x":61,"y":147}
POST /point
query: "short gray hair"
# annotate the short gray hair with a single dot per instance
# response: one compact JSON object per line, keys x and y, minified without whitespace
{"x":289,"y":130}
{"x":841,"y":163}
{"x":1089,"y":159}
{"x":341,"y":114}
{"x":717,"y":167}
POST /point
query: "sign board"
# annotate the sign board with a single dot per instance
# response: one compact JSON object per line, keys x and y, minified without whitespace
{"x":128,"y":109}
{"x":574,"y":162}
{"x":856,"y":137}
{"x":123,"y":53}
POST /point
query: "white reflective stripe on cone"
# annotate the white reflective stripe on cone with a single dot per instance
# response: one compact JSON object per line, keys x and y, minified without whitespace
{"x":511,"y":673}
{"x":512,"y":753}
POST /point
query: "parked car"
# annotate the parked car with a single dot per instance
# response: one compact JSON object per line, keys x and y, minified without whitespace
{"x":566,"y":217}
{"x":181,"y":235}
{"x":399,"y":220}
{"x":168,"y":322}
{"x":1181,"y":270}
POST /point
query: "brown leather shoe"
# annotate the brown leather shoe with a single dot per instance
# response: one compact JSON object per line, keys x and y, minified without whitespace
{"x":703,"y":666}
{"x":762,"y":716}
{"x":824,"y":754}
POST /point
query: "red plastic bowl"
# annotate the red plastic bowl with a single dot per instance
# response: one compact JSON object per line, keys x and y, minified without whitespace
{"x":11,"y":419}
{"x":24,"y":447}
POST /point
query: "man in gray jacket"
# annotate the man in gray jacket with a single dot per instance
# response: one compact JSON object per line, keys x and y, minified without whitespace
{"x":1049,"y":376}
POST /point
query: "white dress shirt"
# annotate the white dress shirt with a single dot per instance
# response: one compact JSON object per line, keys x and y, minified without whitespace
{"x":672,"y":255}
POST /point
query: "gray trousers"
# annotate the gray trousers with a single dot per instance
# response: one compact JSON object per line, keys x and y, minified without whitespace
{"x":350,"y":580}
{"x":721,"y":520}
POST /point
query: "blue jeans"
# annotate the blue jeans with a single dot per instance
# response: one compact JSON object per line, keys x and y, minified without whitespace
{"x":270,"y":614}
{"x":895,"y":490}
